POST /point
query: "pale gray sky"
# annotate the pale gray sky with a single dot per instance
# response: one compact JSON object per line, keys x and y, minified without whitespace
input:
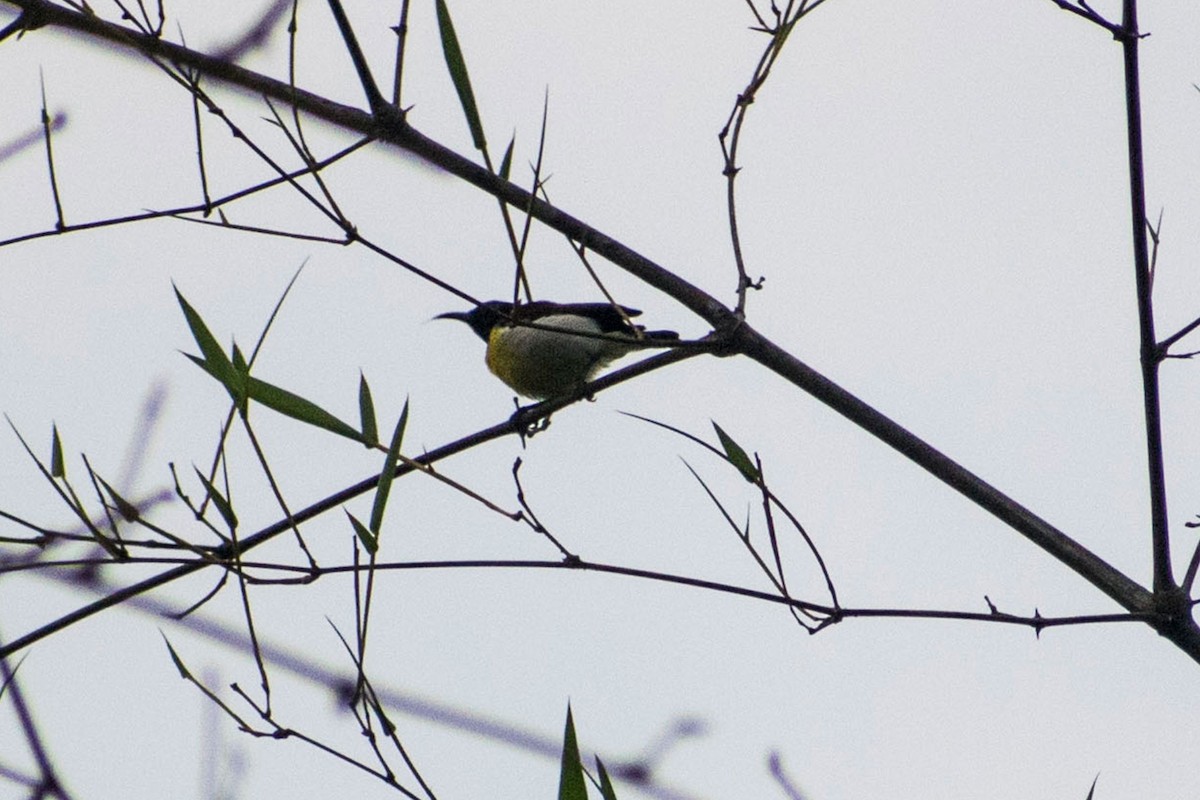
{"x":936,"y":195}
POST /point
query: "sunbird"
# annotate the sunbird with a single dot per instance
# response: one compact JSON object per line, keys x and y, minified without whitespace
{"x":543,"y":349}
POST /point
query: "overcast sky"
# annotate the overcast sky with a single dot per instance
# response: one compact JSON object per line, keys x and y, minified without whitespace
{"x":935,"y":193}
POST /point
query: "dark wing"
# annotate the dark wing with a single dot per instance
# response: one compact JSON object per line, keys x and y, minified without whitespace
{"x":605,"y":314}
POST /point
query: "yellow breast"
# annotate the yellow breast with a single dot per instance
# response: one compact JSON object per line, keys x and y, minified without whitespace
{"x":541,"y":364}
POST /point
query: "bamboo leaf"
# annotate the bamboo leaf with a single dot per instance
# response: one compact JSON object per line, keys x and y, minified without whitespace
{"x":240,"y":364}
{"x":387,"y":474}
{"x":607,"y":791}
{"x":506,"y":162}
{"x":125,"y":508}
{"x":737,"y":456}
{"x":224,"y":508}
{"x":58,"y":466}
{"x":458,"y":74}
{"x":571,"y":782}
{"x":369,"y":540}
{"x":366,"y":413}
{"x":179,"y":665}
{"x":215,"y":363}
{"x":294,"y":406}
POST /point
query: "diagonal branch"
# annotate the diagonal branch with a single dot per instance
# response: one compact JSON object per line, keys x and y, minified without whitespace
{"x":732,"y":336}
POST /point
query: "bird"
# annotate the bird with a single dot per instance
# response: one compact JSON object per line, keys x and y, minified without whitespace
{"x":544,"y":350}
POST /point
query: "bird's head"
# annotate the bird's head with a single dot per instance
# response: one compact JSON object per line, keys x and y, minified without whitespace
{"x":483,"y":317}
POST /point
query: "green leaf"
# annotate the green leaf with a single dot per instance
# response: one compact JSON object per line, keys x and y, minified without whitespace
{"x":458,"y":73}
{"x":125,"y":508}
{"x":58,"y":466}
{"x":737,"y":456}
{"x":202,"y":364}
{"x":506,"y":162}
{"x":388,"y":473}
{"x":571,"y":783}
{"x":215,"y":362}
{"x":606,"y":788}
{"x":236,"y":387}
{"x":366,"y":412}
{"x":296,"y":407}
{"x":223,"y":506}
{"x":183,"y":671}
{"x":239,"y":361}
{"x":234,"y":375}
{"x":369,"y":540}
{"x":241,"y":372}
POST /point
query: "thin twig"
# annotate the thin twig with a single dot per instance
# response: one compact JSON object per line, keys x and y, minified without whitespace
{"x":1189,"y":577}
{"x":531,"y":518}
{"x":247,"y":610}
{"x":32,"y":137}
{"x":513,"y":426}
{"x":60,"y":223}
{"x":49,"y":783}
{"x":1175,"y":337}
{"x":1155,"y":238}
{"x":744,"y":538}
{"x":181,"y":211}
{"x":193,"y":78}
{"x":401,"y":31}
{"x":521,"y":278}
{"x":370,"y":88}
{"x":1087,"y":12}
{"x":1165,"y":588}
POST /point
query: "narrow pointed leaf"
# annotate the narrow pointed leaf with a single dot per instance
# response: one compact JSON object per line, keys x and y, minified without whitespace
{"x":183,"y":670}
{"x":366,"y":412}
{"x":125,"y":508}
{"x":204,"y":365}
{"x":58,"y":465}
{"x":607,"y":791}
{"x":571,"y":782}
{"x":217,"y":363}
{"x":223,"y":506}
{"x":388,"y":472}
{"x":296,"y":407}
{"x":506,"y":162}
{"x":370,"y":542}
{"x":241,"y":373}
{"x":262,"y":337}
{"x":737,"y":456}
{"x":239,"y":361}
{"x":458,"y":74}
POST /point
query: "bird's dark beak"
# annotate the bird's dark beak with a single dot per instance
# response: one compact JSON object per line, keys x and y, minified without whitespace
{"x":474,"y":320}
{"x":461,"y":316}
